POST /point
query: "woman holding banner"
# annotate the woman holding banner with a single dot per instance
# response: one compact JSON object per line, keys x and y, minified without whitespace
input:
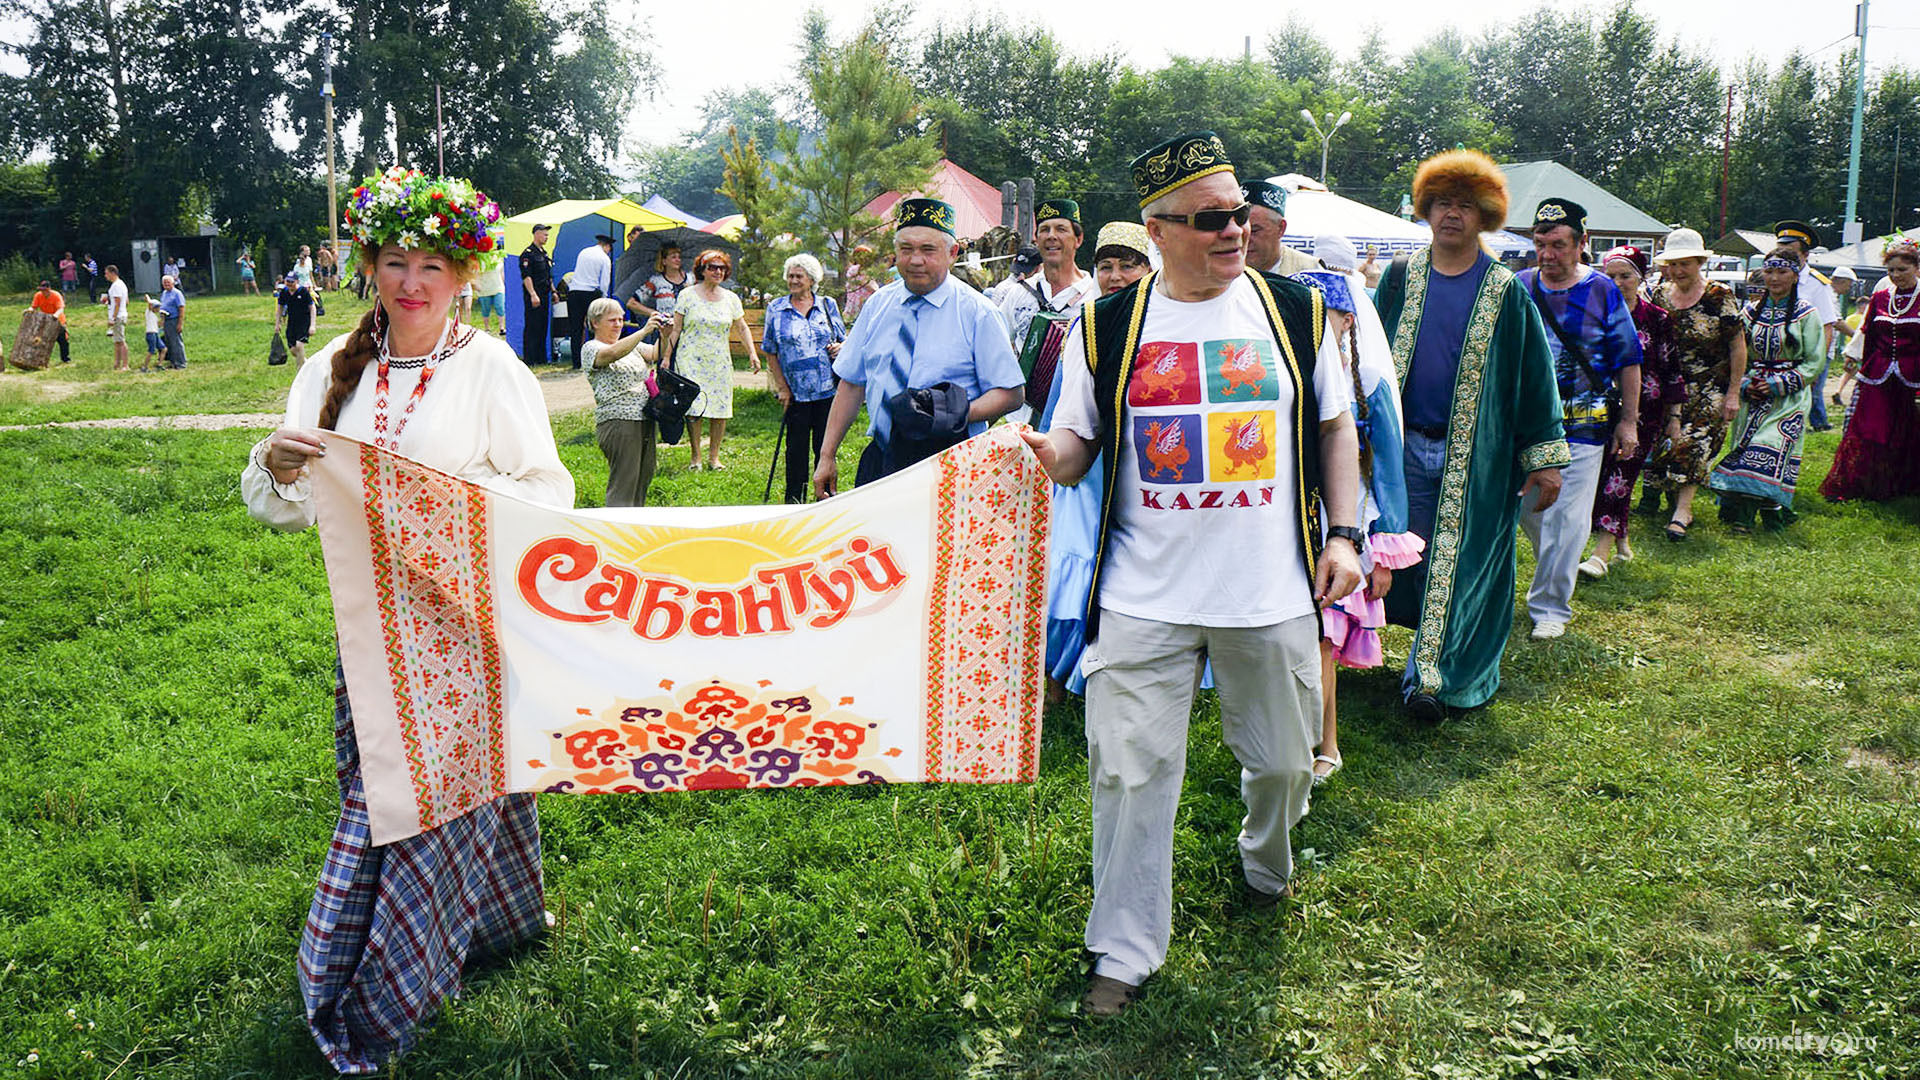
{"x":391,"y":926}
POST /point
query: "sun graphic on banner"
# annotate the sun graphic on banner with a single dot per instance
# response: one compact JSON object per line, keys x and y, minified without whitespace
{"x":722,"y":553}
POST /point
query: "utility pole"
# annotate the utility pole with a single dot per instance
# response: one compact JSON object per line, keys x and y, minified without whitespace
{"x":333,"y":187}
{"x":1893,"y":204}
{"x":1726,"y":159}
{"x":1850,"y":225}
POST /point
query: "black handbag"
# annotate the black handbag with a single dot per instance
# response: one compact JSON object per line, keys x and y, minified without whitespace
{"x":667,"y":406}
{"x":277,"y":352}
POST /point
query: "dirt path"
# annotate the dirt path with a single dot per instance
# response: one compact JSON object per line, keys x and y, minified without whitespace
{"x":565,"y":392}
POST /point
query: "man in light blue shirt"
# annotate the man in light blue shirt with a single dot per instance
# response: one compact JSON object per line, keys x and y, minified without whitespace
{"x":920,"y":331}
{"x":171,"y":306}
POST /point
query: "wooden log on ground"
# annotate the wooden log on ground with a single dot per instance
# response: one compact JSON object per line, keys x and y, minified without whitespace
{"x":33,"y":346}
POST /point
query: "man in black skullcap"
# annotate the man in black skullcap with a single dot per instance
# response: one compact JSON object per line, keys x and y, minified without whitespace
{"x":924,"y":346}
{"x":1060,"y":284}
{"x":1596,"y":360}
{"x":536,"y":288}
{"x":1267,"y":227}
{"x":1220,"y":410}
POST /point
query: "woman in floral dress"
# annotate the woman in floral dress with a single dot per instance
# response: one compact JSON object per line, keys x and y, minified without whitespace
{"x":1662,"y":392}
{"x":704,"y":318}
{"x":1710,"y":349}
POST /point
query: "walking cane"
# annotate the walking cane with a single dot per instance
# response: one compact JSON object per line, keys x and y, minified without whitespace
{"x":767,"y":496}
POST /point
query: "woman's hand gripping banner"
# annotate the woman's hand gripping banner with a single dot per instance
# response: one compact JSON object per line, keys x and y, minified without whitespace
{"x":891,"y":634}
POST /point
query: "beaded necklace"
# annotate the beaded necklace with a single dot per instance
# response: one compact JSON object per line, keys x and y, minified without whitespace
{"x":452,"y":340}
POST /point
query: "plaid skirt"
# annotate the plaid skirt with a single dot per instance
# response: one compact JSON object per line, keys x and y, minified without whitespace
{"x":391,"y":926}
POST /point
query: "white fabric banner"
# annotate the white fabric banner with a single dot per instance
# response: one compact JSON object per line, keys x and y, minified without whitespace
{"x":892,"y":633}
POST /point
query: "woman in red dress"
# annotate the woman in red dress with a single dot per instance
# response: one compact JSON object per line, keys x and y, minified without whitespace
{"x":1879,"y":456}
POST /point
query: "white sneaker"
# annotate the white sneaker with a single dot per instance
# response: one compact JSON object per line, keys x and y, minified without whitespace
{"x":1593,"y":567}
{"x":1548,"y":630}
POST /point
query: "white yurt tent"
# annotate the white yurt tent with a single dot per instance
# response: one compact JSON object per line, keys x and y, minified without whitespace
{"x":1312,"y":211}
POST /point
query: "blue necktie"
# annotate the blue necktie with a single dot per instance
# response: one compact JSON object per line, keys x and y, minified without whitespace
{"x":909,"y":333}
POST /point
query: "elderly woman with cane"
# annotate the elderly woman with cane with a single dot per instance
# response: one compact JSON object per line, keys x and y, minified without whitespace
{"x":392,"y":926}
{"x":803,"y":335}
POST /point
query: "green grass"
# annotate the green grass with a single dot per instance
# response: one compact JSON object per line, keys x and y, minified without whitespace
{"x":1688,"y":824}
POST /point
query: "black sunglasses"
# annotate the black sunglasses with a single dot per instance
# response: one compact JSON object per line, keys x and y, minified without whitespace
{"x":1211,"y":220}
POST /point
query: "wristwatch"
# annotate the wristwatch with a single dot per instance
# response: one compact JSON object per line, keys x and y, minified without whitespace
{"x":1350,"y":534}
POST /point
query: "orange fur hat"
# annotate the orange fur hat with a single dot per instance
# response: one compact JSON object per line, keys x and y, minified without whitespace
{"x":1468,"y":172}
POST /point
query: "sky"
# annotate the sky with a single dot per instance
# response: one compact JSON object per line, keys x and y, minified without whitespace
{"x":757,"y":45}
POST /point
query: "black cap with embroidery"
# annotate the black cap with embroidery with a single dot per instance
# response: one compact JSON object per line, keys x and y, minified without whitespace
{"x":1560,"y":212}
{"x":927,"y":213}
{"x":1262,"y":193}
{"x":1177,"y":162}
{"x":1057,"y":208}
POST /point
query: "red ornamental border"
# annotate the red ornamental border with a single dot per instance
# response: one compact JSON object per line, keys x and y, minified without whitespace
{"x":951,"y":466}
{"x":480,"y":624}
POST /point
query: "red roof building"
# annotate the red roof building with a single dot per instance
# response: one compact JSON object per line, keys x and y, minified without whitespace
{"x":976,"y":203}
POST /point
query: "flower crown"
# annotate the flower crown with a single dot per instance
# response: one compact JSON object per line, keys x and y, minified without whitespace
{"x":443,"y":214}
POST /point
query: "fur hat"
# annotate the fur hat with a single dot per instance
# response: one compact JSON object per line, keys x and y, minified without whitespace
{"x":1466,"y":171}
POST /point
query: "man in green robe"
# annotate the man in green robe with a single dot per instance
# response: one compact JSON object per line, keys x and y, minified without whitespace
{"x":1483,"y":432}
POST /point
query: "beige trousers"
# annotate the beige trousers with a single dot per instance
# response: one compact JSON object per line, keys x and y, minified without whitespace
{"x":1141,"y":679}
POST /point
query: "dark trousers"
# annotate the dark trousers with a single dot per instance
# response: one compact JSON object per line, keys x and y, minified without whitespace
{"x":176,"y":349}
{"x":806,"y":423}
{"x":65,"y":357}
{"x":577,"y":303}
{"x":536,"y":340}
{"x":632,"y":449}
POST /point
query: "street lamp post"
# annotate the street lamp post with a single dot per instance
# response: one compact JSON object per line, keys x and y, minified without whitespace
{"x":1326,"y":137}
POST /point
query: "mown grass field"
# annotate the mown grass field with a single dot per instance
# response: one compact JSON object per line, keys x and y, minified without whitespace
{"x":1685,"y":829}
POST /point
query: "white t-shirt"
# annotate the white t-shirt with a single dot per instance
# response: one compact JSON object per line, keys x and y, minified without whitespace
{"x":117,"y":302}
{"x":1206,"y":526}
{"x":153,"y":321}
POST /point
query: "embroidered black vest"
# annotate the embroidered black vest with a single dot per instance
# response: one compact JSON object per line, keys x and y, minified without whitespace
{"x":1296,"y":314}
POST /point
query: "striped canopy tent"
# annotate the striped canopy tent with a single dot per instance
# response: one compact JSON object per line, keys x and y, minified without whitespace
{"x":659,"y":204}
{"x":728,"y":226}
{"x":575,"y":223}
{"x":976,"y":203}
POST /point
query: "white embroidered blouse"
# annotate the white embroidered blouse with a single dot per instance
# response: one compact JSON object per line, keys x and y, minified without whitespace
{"x":482,"y":419}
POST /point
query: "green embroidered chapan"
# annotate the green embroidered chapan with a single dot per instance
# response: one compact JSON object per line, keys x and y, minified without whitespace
{"x":1503,"y":424}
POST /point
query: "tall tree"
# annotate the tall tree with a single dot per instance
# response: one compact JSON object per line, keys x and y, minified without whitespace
{"x":870,"y":142}
{"x":747,"y":181}
{"x":689,"y":173}
{"x":1010,"y":101}
{"x":1297,"y":51}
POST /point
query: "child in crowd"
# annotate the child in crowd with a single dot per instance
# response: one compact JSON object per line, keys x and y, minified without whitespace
{"x":155,"y":346}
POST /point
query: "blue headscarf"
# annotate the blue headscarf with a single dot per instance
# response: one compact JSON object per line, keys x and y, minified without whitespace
{"x":1333,"y":284}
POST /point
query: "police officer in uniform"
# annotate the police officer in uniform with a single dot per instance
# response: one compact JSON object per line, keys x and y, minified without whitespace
{"x":536,"y":284}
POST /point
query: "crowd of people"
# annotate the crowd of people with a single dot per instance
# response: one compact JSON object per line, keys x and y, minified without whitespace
{"x":1262,"y":457}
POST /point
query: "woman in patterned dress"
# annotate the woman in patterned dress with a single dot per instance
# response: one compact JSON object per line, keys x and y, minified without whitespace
{"x":1879,"y":456}
{"x":1786,"y":343}
{"x":391,"y":926}
{"x":1662,"y":392}
{"x":704,"y":319}
{"x":1710,"y":349}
